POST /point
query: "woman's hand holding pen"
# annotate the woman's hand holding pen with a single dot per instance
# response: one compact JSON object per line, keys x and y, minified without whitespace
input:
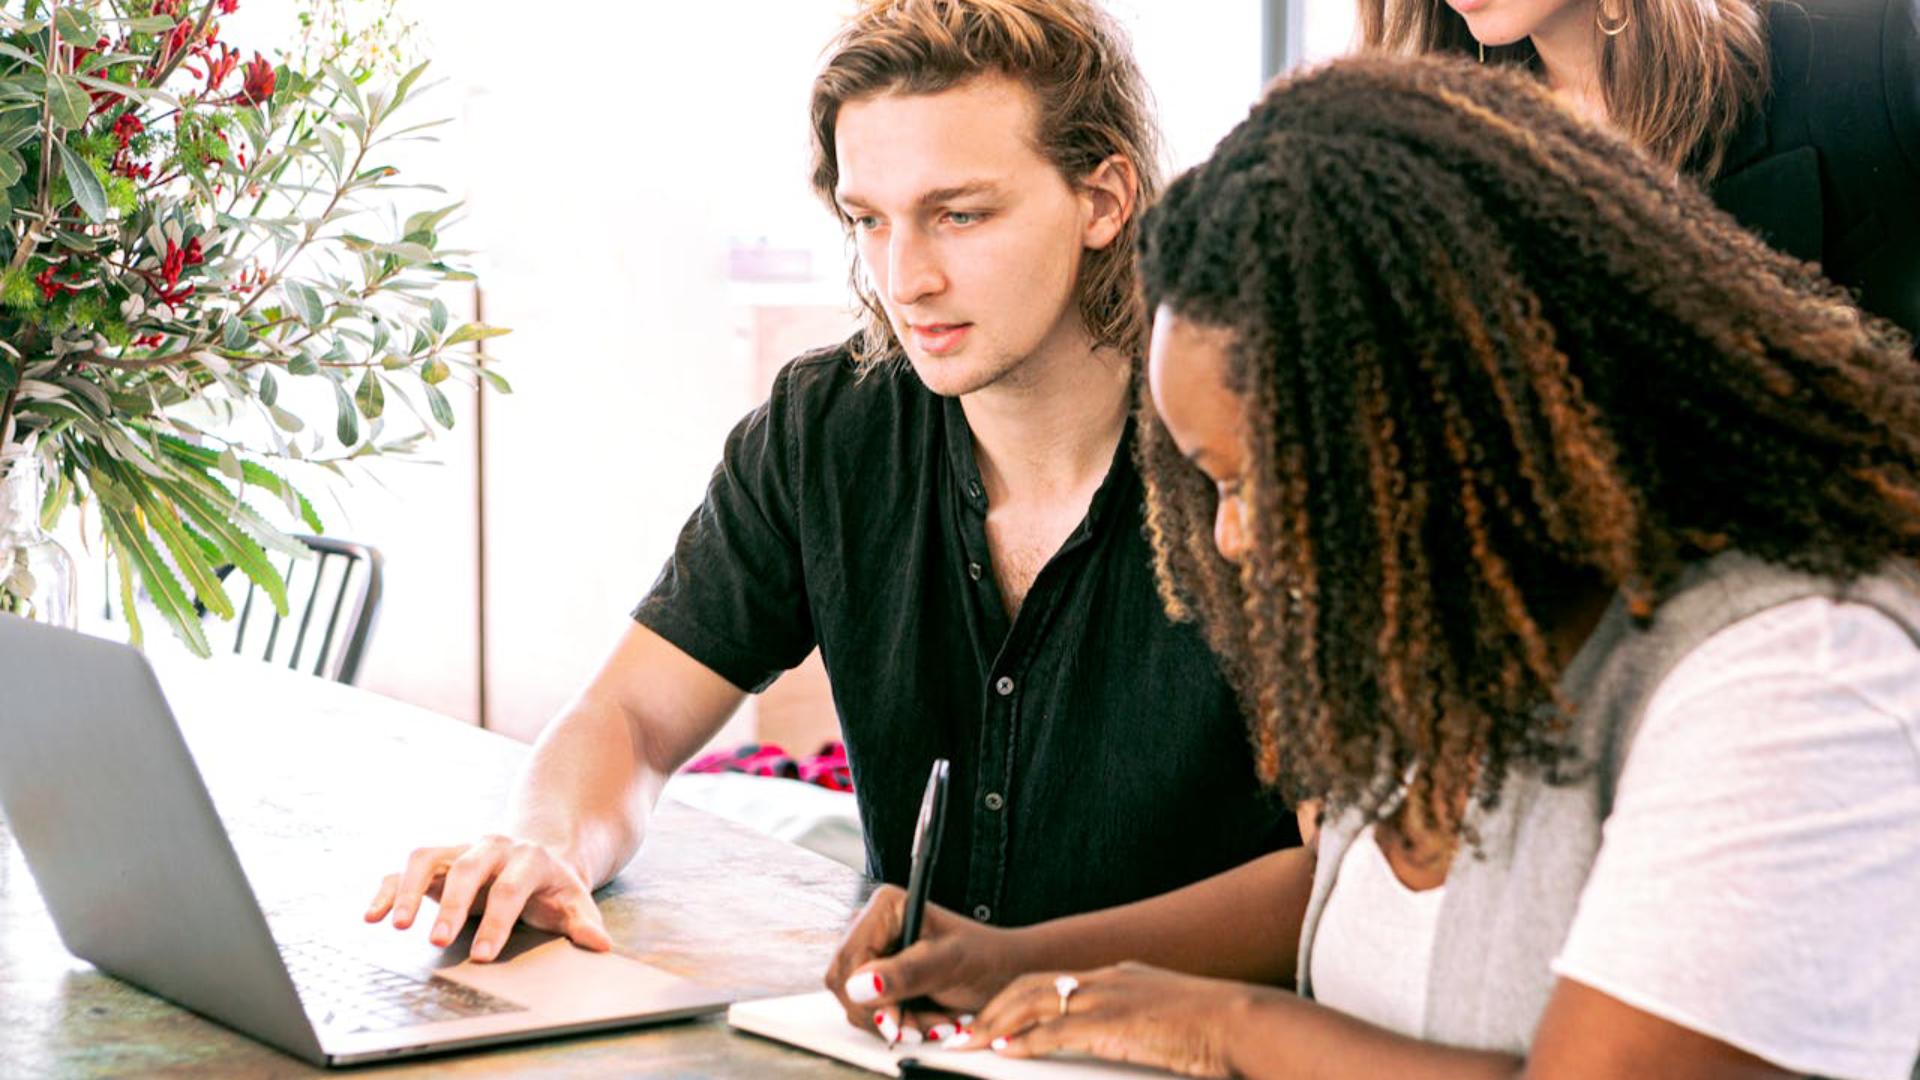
{"x":957,"y":964}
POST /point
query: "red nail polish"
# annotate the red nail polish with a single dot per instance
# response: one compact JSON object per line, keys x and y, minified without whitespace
{"x":879,"y":983}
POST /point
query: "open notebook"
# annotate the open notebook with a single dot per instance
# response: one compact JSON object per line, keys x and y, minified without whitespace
{"x":815,"y":1022}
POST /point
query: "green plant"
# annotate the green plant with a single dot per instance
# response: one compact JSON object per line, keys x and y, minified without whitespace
{"x":185,"y":233}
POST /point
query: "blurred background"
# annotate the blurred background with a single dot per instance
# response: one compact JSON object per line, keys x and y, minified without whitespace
{"x":636,"y":204}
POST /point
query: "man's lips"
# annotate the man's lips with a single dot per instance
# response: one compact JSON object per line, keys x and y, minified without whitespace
{"x":939,"y":338}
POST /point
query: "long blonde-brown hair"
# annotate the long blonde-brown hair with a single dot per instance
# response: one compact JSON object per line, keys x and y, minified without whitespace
{"x":1677,"y":80}
{"x":1091,"y":101}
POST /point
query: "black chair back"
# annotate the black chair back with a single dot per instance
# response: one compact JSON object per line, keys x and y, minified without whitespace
{"x":332,"y":599}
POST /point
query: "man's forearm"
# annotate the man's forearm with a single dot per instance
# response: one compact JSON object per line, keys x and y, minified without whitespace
{"x":589,"y":789}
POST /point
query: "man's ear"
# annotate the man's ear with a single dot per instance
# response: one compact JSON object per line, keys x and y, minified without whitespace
{"x":1107,"y":195}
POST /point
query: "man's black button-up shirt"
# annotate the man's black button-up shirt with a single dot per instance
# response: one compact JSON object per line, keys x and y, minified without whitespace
{"x":1098,"y":757}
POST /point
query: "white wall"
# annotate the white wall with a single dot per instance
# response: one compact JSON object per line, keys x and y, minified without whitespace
{"x":609,"y":154}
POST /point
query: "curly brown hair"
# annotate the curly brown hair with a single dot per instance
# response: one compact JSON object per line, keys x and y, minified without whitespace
{"x":1488,"y":356}
{"x":1091,"y":100}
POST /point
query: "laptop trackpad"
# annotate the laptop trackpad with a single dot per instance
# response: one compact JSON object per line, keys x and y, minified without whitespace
{"x":545,"y":973}
{"x":549,"y":974}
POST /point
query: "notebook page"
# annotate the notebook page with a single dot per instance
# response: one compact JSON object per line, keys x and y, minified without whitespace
{"x":815,"y":1022}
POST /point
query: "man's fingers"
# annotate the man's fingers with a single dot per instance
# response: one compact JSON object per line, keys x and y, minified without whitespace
{"x":424,"y":867}
{"x":383,"y":898}
{"x":462,"y":885}
{"x":508,"y":889}
{"x":586,"y":928}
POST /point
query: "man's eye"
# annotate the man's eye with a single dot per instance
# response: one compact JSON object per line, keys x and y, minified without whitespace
{"x":965,"y":217}
{"x":866,"y":222}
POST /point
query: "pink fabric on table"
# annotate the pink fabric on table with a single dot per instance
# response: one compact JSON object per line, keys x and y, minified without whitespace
{"x":827,"y":769}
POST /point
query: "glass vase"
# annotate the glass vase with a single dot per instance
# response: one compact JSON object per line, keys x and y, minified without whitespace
{"x":36,"y":573}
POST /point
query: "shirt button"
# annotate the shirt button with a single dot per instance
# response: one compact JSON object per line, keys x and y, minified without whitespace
{"x":982,"y":913}
{"x":994,"y":801}
{"x":973,"y":570}
{"x":973,"y":488}
{"x":1003,"y":686}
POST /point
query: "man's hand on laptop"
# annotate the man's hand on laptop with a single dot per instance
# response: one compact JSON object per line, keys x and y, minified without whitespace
{"x":502,"y":879}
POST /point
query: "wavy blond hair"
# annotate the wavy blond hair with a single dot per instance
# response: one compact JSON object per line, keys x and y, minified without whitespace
{"x":1088,"y":93}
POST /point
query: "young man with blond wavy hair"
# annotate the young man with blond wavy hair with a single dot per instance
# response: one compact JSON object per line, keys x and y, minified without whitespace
{"x":946,"y":505}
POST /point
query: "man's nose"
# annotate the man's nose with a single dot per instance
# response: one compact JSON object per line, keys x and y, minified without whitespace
{"x":913,"y":268}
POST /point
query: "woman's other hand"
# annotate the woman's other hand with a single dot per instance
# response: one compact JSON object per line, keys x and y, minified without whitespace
{"x":1128,"y":1012}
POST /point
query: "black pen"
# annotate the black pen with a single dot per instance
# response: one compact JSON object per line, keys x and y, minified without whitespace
{"x":926,"y":848}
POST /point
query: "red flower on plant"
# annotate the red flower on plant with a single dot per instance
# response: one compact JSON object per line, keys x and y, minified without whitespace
{"x":177,"y":40}
{"x":227,"y":7}
{"x":126,"y":128}
{"x":50,"y":288}
{"x":221,"y":65}
{"x":178,"y":259}
{"x":259,"y":81}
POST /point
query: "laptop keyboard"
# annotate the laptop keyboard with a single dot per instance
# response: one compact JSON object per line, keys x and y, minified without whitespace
{"x":346,"y":993}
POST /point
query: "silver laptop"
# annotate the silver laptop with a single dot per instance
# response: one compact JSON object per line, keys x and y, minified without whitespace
{"x":104,"y":799}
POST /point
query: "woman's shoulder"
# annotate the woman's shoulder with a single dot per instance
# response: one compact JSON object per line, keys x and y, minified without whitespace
{"x":1855,"y":54}
{"x":1835,"y":643}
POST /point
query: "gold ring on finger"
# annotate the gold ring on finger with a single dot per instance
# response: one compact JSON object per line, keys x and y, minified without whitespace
{"x":1065,"y":985}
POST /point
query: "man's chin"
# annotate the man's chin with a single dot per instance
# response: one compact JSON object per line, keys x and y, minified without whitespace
{"x":951,"y":376}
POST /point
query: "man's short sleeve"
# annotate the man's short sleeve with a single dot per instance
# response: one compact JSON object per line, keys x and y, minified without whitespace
{"x":733,"y":596}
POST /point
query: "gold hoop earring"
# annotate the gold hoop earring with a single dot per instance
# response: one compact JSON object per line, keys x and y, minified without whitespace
{"x":1483,"y":52}
{"x":1611,"y":29}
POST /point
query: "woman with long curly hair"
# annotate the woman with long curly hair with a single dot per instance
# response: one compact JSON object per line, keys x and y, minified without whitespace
{"x":1800,"y":117}
{"x":1559,"y":535}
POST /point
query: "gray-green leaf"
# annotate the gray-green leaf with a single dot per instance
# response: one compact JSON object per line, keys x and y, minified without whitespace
{"x":347,"y":426}
{"x":370,"y":397}
{"x":336,"y":150}
{"x":285,"y":420}
{"x":73,"y":25}
{"x":437,"y":314}
{"x":21,"y":55}
{"x":305,"y":302}
{"x":269,"y":388}
{"x":87,"y":189}
{"x":12,"y":168}
{"x":437,"y":403}
{"x":475,"y":332}
{"x":67,"y":102}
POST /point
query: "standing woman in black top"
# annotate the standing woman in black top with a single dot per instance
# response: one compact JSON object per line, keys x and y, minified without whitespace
{"x":1800,"y":117}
